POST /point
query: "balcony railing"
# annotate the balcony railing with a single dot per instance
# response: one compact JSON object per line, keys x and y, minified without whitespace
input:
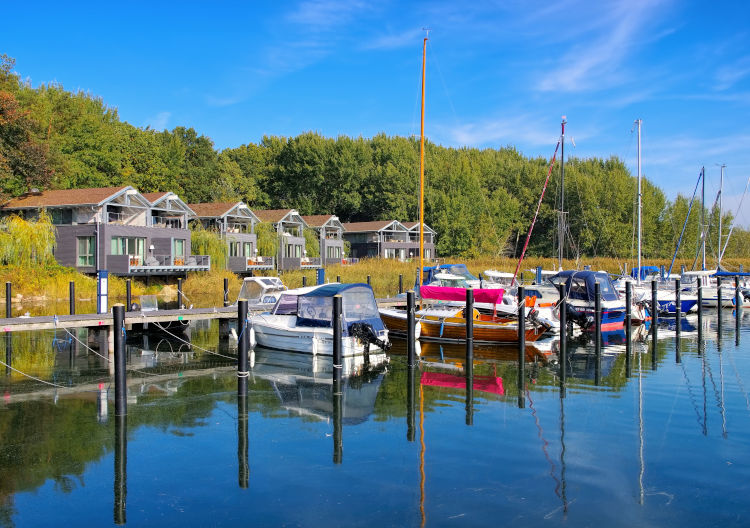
{"x":310,"y":262}
{"x":156,"y":264}
{"x":160,"y":221}
{"x":242,"y":264}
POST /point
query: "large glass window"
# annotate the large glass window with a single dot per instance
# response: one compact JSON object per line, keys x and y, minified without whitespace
{"x":247,"y":249}
{"x":179,"y":247}
{"x":86,"y":251}
{"x":234,"y":249}
{"x":128,"y":246}
{"x":61,"y":216}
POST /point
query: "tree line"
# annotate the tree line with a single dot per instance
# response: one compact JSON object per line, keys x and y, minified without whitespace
{"x":480,"y":201}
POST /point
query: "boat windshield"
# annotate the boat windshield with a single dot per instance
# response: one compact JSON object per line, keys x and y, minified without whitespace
{"x":459,"y":269}
{"x":286,"y":305}
{"x":359,"y":305}
{"x":454,"y":283}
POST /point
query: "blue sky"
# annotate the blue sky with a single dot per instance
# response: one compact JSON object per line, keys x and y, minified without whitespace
{"x":498,"y":73}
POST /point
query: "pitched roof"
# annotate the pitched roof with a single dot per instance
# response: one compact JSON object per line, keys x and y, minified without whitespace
{"x":61,"y":197}
{"x":154,"y":196}
{"x":414,"y":226}
{"x":272,"y":215}
{"x":317,"y":220}
{"x":213,"y":209}
{"x":376,"y":225}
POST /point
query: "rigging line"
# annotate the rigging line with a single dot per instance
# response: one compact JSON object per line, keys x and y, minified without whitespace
{"x":545,"y":444}
{"x":160,"y":327}
{"x":433,"y":57}
{"x":32,"y":377}
{"x":642,"y":465}
{"x":739,"y":381}
{"x":721,"y":255}
{"x":690,"y":393}
{"x":687,"y":217}
{"x":717,"y":396}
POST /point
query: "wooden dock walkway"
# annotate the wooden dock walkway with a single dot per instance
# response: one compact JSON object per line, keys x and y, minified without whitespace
{"x":51,"y":322}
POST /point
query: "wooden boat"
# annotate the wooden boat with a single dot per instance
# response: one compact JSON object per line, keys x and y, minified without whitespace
{"x":448,"y":324}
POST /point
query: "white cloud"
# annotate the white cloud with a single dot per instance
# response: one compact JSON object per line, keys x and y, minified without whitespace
{"x":728,"y":75}
{"x":321,"y":15}
{"x":395,"y":40}
{"x":159,"y":121}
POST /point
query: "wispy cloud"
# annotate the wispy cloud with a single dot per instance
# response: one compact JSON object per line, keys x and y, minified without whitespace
{"x":394,"y":40}
{"x":322,"y":15}
{"x":159,"y":121}
{"x":728,"y":75}
{"x":596,"y":63}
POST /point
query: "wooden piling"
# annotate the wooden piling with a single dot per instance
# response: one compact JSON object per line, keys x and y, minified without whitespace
{"x":128,"y":295}
{"x":8,"y":306}
{"x":400,"y":284}
{"x":677,"y":307}
{"x":118,"y":331}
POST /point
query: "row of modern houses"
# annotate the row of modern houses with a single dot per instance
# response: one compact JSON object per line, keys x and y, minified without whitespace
{"x":131,"y":233}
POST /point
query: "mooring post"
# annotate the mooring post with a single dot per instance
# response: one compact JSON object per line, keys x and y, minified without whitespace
{"x":563,"y":308}
{"x":128,"y":295}
{"x":598,"y":318}
{"x":411,"y":341}
{"x":121,"y":469}
{"x":243,"y":466}
{"x":226,"y":291}
{"x":338,"y":278}
{"x":368,"y":281}
{"x":719,"y":300}
{"x":737,"y":296}
{"x":469,"y":325}
{"x":410,"y":403}
{"x":654,"y":324}
{"x":521,"y":347}
{"x":677,"y":307}
{"x":522,"y":279}
{"x":243,"y":333}
{"x":337,"y":339}
{"x":400,"y":284}
{"x":118,"y":331}
{"x":179,"y":293}
{"x":8,"y":292}
{"x":304,"y":281}
{"x":628,"y":326}
{"x":72,"y":297}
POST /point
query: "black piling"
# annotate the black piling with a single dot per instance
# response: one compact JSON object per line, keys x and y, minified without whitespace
{"x":226,"y":291}
{"x":410,"y":403}
{"x":654,"y":324}
{"x":337,"y":339}
{"x":72,"y":297}
{"x":563,"y":307}
{"x":128,"y":295}
{"x":338,"y":278}
{"x":243,"y":331}
{"x":304,"y":281}
{"x":521,"y":347}
{"x":411,"y":341}
{"x":121,"y":468}
{"x":179,"y":293}
{"x":719,"y":300}
{"x":121,"y":389}
{"x":737,"y":310}
{"x":243,"y":465}
{"x":628,"y":327}
{"x":597,"y":333}
{"x":677,"y":307}
{"x":469,"y":365}
{"x":369,"y":281}
{"x":400,"y":284}
{"x":8,"y":294}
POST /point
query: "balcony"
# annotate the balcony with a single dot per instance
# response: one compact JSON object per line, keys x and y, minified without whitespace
{"x":166,"y":222}
{"x":310,"y":262}
{"x":244,"y":264}
{"x":156,"y":264}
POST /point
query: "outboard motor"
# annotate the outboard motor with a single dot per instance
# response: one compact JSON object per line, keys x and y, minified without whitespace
{"x":365,"y":333}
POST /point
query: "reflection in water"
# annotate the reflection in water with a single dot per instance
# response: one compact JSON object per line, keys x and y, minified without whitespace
{"x":243,"y":473}
{"x":121,"y":468}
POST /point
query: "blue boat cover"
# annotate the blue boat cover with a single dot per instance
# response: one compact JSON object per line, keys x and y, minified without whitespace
{"x":645,"y":271}
{"x":315,"y":308}
{"x":580,"y":284}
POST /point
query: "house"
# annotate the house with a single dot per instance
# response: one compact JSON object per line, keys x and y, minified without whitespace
{"x":330,"y":234}
{"x":290,"y":228}
{"x":116,"y":229}
{"x":429,"y":240}
{"x":235,"y":223}
{"x":387,"y":239}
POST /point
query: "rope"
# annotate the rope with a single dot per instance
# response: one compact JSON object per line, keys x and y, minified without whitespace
{"x":32,"y":377}
{"x":196,"y":346}
{"x":243,"y":374}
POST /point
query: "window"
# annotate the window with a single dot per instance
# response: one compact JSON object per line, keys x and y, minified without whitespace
{"x":234,"y":249}
{"x":247,"y":249}
{"x":61,"y":216}
{"x":333,"y":252}
{"x":128,"y":246}
{"x":179,"y":248}
{"x":86,"y":250}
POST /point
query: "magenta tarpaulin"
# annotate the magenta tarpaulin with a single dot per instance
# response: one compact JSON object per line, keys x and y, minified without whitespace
{"x":445,"y":293}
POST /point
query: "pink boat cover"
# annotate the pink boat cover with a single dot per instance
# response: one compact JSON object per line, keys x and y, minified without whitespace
{"x":491,"y":384}
{"x":445,"y":293}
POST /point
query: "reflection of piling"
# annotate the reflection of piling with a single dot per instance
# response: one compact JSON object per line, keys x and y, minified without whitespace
{"x":243,"y":473}
{"x":242,"y":346}
{"x":628,"y":327}
{"x":521,"y":346}
{"x":72,"y":297}
{"x":8,"y":352}
{"x":654,"y":324}
{"x":411,"y":344}
{"x":338,"y":416}
{"x":700,"y":316}
{"x":226,"y":292}
{"x":121,"y":467}
{"x":410,"y":401}
{"x":118,"y":331}
{"x":337,"y":340}
{"x":469,"y":372}
{"x":563,"y":308}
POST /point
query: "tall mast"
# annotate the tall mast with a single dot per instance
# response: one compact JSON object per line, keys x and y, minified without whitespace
{"x":421,"y":169}
{"x":640,"y":203}
{"x":721,"y":187}
{"x":703,"y":219}
{"x":561,"y":223}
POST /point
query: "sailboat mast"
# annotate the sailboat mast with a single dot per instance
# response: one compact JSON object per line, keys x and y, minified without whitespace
{"x":561,"y":226}
{"x":421,"y":170}
{"x":703,"y":219}
{"x":721,"y":187}
{"x":640,"y":203}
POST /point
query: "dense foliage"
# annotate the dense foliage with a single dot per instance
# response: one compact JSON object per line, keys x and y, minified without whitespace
{"x":480,"y":202}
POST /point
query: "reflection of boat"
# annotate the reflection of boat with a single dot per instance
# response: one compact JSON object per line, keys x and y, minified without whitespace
{"x":580,"y":287}
{"x":448,"y":324}
{"x":491,"y":384}
{"x":303,"y":391}
{"x":543,"y":350}
{"x":301,"y":321}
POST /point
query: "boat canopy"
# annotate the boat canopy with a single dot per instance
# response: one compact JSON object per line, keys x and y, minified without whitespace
{"x":445,"y":293}
{"x":315,"y":307}
{"x":260,"y":290}
{"x":644,"y":272}
{"x":580,"y":284}
{"x":428,"y":272}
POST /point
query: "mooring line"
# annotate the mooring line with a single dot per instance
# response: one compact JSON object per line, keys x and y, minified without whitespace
{"x":35,"y":379}
{"x":160,"y":327}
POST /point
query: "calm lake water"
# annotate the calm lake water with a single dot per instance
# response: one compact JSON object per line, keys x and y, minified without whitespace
{"x":667,"y":445}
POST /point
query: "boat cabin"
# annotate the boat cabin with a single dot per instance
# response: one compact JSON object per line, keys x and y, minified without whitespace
{"x":579,"y":285}
{"x":261,"y":290}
